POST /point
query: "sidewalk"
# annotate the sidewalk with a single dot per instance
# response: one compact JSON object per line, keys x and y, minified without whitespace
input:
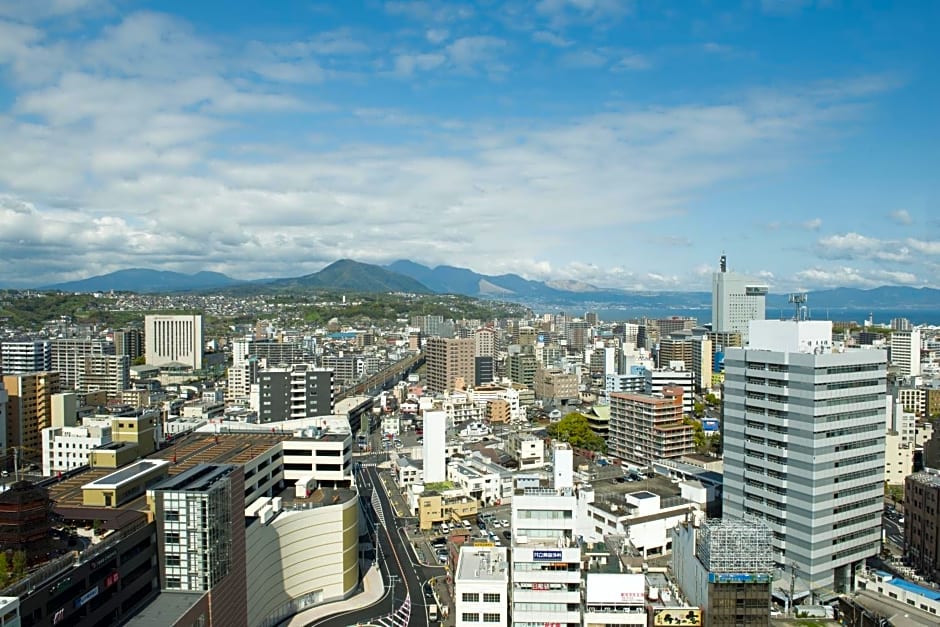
{"x":373,"y":590}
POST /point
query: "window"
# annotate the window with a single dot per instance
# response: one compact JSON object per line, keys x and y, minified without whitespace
{"x":490,"y":597}
{"x":172,"y":582}
{"x":471,"y":617}
{"x":172,"y":537}
{"x":171,"y":515}
{"x":470,"y":597}
{"x":491,"y":618}
{"x":172,"y":559}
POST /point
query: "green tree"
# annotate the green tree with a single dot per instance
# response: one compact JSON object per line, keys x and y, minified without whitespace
{"x":4,"y":570}
{"x":139,"y":361}
{"x":698,"y":408}
{"x":575,"y":430}
{"x":711,"y":400}
{"x":895,"y":493}
{"x":699,"y":439}
{"x":19,"y":564}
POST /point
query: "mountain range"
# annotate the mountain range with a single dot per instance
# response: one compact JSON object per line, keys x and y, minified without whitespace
{"x":408,"y":276}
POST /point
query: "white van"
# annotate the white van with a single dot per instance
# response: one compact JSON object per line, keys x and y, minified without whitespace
{"x":445,"y":528}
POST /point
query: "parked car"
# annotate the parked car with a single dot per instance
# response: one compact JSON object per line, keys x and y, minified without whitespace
{"x":504,"y":522}
{"x":507,"y":535}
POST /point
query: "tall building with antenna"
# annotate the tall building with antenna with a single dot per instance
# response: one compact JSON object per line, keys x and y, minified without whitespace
{"x":736,"y":300}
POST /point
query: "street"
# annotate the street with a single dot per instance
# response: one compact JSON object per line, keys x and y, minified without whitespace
{"x":403,"y":576}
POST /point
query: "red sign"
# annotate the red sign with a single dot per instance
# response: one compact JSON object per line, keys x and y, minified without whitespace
{"x":112,"y":579}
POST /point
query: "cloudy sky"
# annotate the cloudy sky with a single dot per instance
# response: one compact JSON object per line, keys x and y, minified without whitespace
{"x":623,"y":143}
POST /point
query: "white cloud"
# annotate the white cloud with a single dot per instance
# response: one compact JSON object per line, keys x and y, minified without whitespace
{"x":901,"y":216}
{"x":583,"y":59}
{"x":856,"y":246}
{"x":813,"y":224}
{"x":436,"y":35}
{"x":633,"y":61}
{"x":31,"y":10}
{"x":430,"y":11}
{"x":548,"y":37}
{"x":562,"y":13}
{"x":846,"y":276}
{"x":149,"y":155}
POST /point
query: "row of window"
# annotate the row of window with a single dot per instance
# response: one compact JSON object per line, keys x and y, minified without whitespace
{"x":474,"y":597}
{"x":474,"y":617}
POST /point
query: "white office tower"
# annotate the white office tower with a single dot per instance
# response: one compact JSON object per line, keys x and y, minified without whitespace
{"x":435,"y":440}
{"x":804,"y":437}
{"x":736,"y":300}
{"x":481,"y":587}
{"x":174,"y":340}
{"x":905,"y":352}
{"x":546,"y":556}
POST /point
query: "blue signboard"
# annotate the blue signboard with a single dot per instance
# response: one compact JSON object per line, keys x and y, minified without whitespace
{"x":710,"y":424}
{"x":546,"y":556}
{"x":738,"y":578}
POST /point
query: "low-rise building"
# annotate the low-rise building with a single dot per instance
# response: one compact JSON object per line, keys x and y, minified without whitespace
{"x":481,"y":479}
{"x":67,"y":448}
{"x":526,"y":449}
{"x":441,"y":502}
{"x":615,"y":599}
{"x":481,"y":587}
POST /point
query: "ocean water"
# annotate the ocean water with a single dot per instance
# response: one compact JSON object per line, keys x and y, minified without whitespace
{"x":704,"y":315}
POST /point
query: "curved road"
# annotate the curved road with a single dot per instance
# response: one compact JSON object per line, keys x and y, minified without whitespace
{"x":396,"y":557}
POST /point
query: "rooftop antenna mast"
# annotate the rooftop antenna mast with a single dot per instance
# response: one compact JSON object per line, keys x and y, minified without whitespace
{"x":798,"y":300}
{"x":723,"y":262}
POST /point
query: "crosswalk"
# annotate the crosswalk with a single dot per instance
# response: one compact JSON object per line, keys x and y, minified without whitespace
{"x":398,"y":618}
{"x":377,"y":506}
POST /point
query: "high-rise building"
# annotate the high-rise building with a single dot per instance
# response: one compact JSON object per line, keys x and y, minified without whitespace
{"x":556,"y":386}
{"x":804,"y":448}
{"x":484,"y":370}
{"x":546,"y":554}
{"x":922,"y":522}
{"x":521,"y":365}
{"x":675,"y":347}
{"x":201,"y":534}
{"x":736,"y":300}
{"x":449,"y":362}
{"x":702,"y":362}
{"x":174,"y":339}
{"x":29,"y":410}
{"x":725,"y":567}
{"x":129,"y":342}
{"x":300,"y":391}
{"x":67,"y":357}
{"x":644,"y":429}
{"x":107,"y":373}
{"x":434,"y":446}
{"x":25,"y":356}
{"x":905,"y":352}
{"x":484,"y":342}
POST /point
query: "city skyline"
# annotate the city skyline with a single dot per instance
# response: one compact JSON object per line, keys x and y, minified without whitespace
{"x":621,"y":144}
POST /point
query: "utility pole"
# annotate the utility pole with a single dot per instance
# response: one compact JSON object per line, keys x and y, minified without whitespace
{"x":391,"y":580}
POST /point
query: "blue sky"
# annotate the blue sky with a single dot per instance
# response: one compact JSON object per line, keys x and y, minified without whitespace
{"x":625,"y":144}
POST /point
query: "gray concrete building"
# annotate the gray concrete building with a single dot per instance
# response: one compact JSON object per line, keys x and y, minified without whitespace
{"x":300,"y":391}
{"x":804,"y":442}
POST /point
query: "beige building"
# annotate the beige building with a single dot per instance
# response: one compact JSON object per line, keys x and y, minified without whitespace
{"x":29,"y":410}
{"x":446,"y":505}
{"x":449,"y":362}
{"x":899,"y":458}
{"x":556,"y":385}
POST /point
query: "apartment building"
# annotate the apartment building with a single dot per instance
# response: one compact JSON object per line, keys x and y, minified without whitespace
{"x":905,"y":352}
{"x":67,"y":357}
{"x":645,"y":428}
{"x":21,"y":357}
{"x":29,"y":409}
{"x":450,"y":363}
{"x":298,"y":391}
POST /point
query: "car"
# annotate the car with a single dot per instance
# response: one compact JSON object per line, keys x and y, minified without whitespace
{"x":442,"y":559}
{"x":481,"y":524}
{"x":465,"y":524}
{"x":505,"y":522}
{"x":428,"y":592}
{"x":507,"y":535}
{"x":621,"y":479}
{"x":438,"y":542}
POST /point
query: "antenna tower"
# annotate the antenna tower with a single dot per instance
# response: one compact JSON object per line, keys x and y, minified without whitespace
{"x":798,"y":300}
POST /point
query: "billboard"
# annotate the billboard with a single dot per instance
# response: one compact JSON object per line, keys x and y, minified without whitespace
{"x":685,"y":616}
{"x":738,"y":578}
{"x":546,"y":556}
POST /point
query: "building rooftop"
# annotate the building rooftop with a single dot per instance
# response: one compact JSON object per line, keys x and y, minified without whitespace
{"x":479,"y":563}
{"x":197,"y":479}
{"x":166,"y":609}
{"x":126,"y":475}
